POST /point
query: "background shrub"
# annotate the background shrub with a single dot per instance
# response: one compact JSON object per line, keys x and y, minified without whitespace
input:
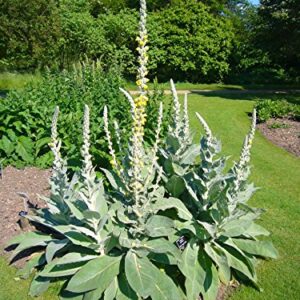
{"x":268,"y":109}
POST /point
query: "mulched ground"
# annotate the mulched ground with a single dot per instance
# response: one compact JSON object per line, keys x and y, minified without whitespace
{"x":287,"y":137}
{"x":29,"y":182}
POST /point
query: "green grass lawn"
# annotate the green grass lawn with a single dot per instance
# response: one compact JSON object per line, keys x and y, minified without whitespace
{"x":274,"y":170}
{"x":216,"y":86}
{"x":9,"y":81}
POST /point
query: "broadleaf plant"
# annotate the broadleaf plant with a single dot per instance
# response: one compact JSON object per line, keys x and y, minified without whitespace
{"x":222,"y":235}
{"x":115,"y":243}
{"x":117,"y":240}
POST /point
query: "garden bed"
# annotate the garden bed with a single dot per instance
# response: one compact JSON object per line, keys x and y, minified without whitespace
{"x":29,"y":182}
{"x":284,"y":133}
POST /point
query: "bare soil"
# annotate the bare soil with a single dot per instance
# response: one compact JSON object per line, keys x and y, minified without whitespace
{"x":18,"y":192}
{"x":287,"y":137}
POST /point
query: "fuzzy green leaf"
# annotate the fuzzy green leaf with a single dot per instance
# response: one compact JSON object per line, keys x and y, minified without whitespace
{"x":159,"y":226}
{"x":175,"y":186}
{"x":147,"y":280}
{"x":96,"y":274}
{"x":125,"y":292}
{"x":260,"y":248}
{"x":193,"y":271}
{"x":54,"y":247}
{"x":164,"y":204}
{"x":38,"y":286}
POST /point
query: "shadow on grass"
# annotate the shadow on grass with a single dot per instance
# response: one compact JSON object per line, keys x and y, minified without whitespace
{"x":252,"y":95}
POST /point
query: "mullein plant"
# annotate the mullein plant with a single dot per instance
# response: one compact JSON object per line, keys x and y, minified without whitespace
{"x":113,"y":244}
{"x":222,"y":236}
{"x":73,"y":230}
{"x":119,"y":242}
{"x":179,"y":152}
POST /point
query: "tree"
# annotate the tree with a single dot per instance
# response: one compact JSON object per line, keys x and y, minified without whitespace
{"x":279,"y":32}
{"x":188,"y":42}
{"x":29,"y":33}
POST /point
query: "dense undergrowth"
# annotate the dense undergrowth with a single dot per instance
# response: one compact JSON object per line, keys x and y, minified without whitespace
{"x":25,"y":115}
{"x":277,"y":109}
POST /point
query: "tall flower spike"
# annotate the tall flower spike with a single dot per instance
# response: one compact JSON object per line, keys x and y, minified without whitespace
{"x":177,"y":109}
{"x":55,"y":144}
{"x":118,"y":135}
{"x":186,"y":121}
{"x":142,"y":49}
{"x":131,"y":101}
{"x":241,"y":169}
{"x":245,"y":154}
{"x":253,"y":126}
{"x":206,"y":127}
{"x":156,"y":143}
{"x":112,"y":153}
{"x":139,"y":113}
{"x":85,"y":151}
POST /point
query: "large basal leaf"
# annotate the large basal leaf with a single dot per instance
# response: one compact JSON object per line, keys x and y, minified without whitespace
{"x":147,"y":280}
{"x":53,"y":247}
{"x":66,"y":265}
{"x":29,"y":240}
{"x":193,"y":271}
{"x":38,"y":286}
{"x":159,"y":226}
{"x":111,"y":291}
{"x":96,"y":274}
{"x":175,"y":186}
{"x":55,"y":270}
{"x":35,"y":261}
{"x":167,"y":203}
{"x":219,"y":258}
{"x":211,"y":282}
{"x":235,"y":228}
{"x":139,"y":274}
{"x":260,"y":248}
{"x":125,"y":292}
{"x":256,"y":230}
{"x":237,"y":260}
{"x":163,"y":246}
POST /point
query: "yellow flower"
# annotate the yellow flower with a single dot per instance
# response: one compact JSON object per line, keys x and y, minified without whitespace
{"x":113,"y":163}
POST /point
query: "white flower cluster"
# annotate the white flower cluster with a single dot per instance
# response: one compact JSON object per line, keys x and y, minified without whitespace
{"x":55,"y":145}
{"x":241,"y":168}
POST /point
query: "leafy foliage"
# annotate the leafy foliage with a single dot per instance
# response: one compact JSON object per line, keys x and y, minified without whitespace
{"x":26,"y":115}
{"x":119,"y":242}
{"x":190,"y":43}
{"x":267,"y":109}
{"x":222,"y":234}
{"x":96,"y":242}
